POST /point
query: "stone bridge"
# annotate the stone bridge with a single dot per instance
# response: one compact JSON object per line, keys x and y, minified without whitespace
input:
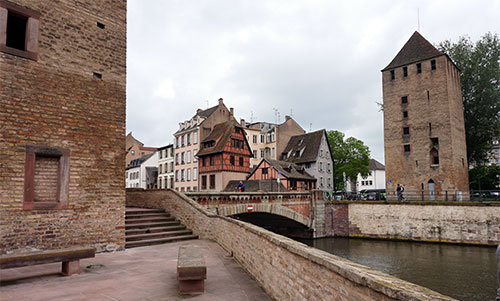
{"x":304,"y":208}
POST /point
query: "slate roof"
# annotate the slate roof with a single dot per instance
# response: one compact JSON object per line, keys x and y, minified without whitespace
{"x":139,"y":161}
{"x":256,"y":186}
{"x":207,"y":112}
{"x":375,"y":165}
{"x":287,"y":169}
{"x":309,"y":143}
{"x":220,"y":134}
{"x":416,"y":49}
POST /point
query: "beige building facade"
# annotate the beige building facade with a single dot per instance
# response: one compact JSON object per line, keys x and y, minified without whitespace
{"x":268,"y":140}
{"x":187,"y":144}
{"x":424,"y":134}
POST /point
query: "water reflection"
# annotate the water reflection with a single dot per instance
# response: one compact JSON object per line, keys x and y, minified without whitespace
{"x":462,"y":272}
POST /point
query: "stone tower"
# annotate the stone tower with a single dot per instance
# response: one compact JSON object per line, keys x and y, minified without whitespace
{"x":424,"y":134}
{"x":62,"y":124}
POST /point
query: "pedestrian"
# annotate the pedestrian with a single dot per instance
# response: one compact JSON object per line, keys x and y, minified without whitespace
{"x":240,"y":187}
{"x":399,"y":192}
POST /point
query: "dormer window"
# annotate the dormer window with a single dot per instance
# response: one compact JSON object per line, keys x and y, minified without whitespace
{"x":209,"y":144}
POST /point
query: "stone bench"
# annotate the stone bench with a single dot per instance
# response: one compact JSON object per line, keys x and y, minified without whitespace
{"x":69,"y":257}
{"x":191,"y":270}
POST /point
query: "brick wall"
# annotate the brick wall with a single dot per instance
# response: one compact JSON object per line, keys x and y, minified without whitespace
{"x":57,"y":102}
{"x":337,"y":219}
{"x":286,"y":269}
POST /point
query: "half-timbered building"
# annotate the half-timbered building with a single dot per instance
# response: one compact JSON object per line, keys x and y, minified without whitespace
{"x":224,"y":156}
{"x":291,"y":176}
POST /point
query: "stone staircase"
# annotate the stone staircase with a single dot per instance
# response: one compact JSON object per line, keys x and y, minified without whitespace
{"x":145,"y":227}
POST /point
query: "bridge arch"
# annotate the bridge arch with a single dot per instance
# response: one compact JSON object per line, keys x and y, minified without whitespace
{"x":276,"y":209}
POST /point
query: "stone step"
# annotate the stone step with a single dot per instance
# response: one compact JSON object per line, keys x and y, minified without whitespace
{"x":151,"y":225}
{"x":149,"y":242}
{"x":154,"y":229}
{"x":149,"y":236}
{"x":143,"y":220}
{"x":145,"y":215}
{"x":135,"y":210}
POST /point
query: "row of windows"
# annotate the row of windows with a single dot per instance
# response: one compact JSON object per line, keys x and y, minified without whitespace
{"x":166,"y":153}
{"x":185,"y":157}
{"x":133,"y":175}
{"x":236,"y":143}
{"x":366,"y":183}
{"x":418,"y":69}
{"x":188,"y":189}
{"x":185,"y":174}
{"x":186,"y":139}
{"x":165,"y":182}
{"x":211,"y":182}
{"x":264,"y":138}
{"x":263,"y":153}
{"x":165,"y":168}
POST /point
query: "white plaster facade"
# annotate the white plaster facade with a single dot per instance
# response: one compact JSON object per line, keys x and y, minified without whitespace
{"x":166,"y":167}
{"x":135,"y":173}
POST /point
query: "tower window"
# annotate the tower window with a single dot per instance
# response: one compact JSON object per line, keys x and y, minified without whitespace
{"x":404,"y":99}
{"x":16,"y":31}
{"x":100,"y":25}
{"x":435,"y":141}
{"x":20,"y":29}
{"x":433,"y":65}
{"x":406,"y":148}
{"x":405,"y":114}
{"x":428,"y":96}
{"x":419,"y":68}
{"x":393,"y":76}
{"x":434,"y":157}
{"x":406,"y":131}
{"x":405,"y":71}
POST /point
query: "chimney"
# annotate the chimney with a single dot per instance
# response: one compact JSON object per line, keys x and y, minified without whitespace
{"x":287,"y":117}
{"x":242,"y":122}
{"x":231,"y":111}
{"x":198,"y":111}
{"x":220,"y":101}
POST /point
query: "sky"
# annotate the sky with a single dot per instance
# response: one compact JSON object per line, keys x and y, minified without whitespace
{"x":318,"y":61}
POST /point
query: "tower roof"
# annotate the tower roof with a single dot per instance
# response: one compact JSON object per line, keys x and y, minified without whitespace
{"x":416,"y":49}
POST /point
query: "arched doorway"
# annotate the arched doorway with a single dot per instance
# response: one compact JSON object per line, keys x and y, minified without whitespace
{"x":430,"y":188}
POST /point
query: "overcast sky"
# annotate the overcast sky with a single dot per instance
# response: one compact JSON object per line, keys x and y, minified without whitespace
{"x":319,"y":61}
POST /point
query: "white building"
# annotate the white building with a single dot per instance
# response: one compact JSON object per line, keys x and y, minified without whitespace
{"x":166,"y":167}
{"x":375,"y":180}
{"x":142,"y":172}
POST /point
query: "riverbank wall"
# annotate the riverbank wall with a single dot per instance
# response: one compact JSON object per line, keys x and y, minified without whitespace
{"x":446,"y":222}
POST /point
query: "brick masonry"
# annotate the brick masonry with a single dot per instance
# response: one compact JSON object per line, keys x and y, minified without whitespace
{"x":434,"y":110}
{"x":286,"y":269}
{"x":452,"y":222}
{"x":56,"y":101}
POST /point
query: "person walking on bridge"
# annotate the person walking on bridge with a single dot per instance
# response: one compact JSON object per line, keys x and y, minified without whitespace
{"x":240,"y":187}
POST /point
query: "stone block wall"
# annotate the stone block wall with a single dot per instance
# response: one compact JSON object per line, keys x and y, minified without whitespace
{"x":71,"y":97}
{"x":450,"y":222}
{"x":286,"y":269}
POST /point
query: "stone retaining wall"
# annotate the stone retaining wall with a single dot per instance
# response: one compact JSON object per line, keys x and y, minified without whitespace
{"x":451,"y":222}
{"x":286,"y":269}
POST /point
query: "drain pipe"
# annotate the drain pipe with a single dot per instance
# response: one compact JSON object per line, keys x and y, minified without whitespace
{"x":498,"y":258}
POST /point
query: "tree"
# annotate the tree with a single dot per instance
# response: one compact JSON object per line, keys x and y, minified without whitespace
{"x":484,"y":177}
{"x":480,"y":77}
{"x":350,"y":158}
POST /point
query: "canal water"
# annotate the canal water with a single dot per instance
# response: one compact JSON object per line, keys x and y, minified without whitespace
{"x":461,"y":272}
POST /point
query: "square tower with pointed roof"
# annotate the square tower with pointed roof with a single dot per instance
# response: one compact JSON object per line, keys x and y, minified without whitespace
{"x":424,"y":133}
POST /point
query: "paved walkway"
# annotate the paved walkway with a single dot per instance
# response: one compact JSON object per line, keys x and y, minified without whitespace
{"x":146,"y":273}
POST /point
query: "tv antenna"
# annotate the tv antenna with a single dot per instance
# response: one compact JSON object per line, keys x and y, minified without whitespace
{"x":418,"y":19}
{"x":275,"y":114}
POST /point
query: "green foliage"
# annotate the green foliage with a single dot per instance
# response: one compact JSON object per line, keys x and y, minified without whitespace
{"x":480,"y":78}
{"x":351,"y":157}
{"x":488,"y":177}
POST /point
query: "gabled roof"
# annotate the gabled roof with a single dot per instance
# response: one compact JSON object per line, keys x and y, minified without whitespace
{"x":375,"y":165}
{"x":306,"y":144}
{"x":206,"y":113}
{"x":219,"y":135}
{"x":287,"y":169}
{"x":139,"y":161}
{"x":416,"y":49}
